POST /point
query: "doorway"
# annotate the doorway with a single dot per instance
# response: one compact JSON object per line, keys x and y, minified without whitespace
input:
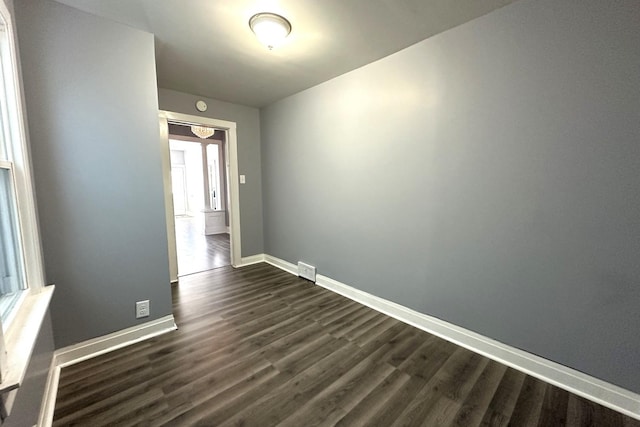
{"x":201,"y":193}
{"x":198,"y":183}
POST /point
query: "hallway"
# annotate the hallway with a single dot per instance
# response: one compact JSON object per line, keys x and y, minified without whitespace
{"x":197,"y":252}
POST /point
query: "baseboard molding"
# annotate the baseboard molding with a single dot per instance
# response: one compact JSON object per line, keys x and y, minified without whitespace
{"x":253,"y":259}
{"x":281,"y":264}
{"x":569,"y":379}
{"x":276,"y":262}
{"x":45,"y":419}
{"x":94,"y":347}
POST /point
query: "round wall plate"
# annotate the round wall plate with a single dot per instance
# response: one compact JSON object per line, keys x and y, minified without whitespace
{"x":201,"y":106}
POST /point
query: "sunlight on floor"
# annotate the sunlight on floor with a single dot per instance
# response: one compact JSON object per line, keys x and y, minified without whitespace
{"x":197,"y":252}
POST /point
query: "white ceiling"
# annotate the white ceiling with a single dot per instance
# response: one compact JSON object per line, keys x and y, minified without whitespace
{"x":205,"y":47}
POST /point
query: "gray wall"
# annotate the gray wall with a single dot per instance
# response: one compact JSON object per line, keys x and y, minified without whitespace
{"x":92,"y":106}
{"x":248,"y":132}
{"x":487,"y":176}
{"x":26,"y":408}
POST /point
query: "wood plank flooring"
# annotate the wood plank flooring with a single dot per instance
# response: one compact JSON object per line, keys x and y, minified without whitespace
{"x":197,"y":252}
{"x":259,"y":347}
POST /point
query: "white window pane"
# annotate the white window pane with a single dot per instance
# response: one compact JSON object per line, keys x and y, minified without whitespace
{"x":12,"y":277}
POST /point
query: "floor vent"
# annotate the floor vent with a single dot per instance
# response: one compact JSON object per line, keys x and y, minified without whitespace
{"x":307,"y":271}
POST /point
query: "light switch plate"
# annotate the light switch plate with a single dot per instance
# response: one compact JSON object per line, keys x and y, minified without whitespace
{"x":243,"y":179}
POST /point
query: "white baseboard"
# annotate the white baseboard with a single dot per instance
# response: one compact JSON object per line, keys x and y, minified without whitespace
{"x":276,"y":262}
{"x":213,"y":232}
{"x":569,"y":379}
{"x":94,"y":347}
{"x":281,"y":264}
{"x":253,"y":259}
{"x":45,"y":419}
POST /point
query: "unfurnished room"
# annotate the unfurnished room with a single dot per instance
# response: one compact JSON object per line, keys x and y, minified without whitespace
{"x":319,"y":213}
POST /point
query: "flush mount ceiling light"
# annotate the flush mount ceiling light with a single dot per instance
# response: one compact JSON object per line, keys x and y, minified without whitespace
{"x":202,"y":131}
{"x":269,"y":28}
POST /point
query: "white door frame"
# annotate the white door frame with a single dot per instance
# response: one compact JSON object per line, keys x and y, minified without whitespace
{"x":234,"y":182}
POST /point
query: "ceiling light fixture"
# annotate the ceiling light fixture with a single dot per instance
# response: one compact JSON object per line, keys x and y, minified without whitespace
{"x":202,"y":131}
{"x":269,"y":28}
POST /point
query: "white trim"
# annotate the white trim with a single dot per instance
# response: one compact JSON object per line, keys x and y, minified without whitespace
{"x":253,"y":259}
{"x":45,"y":418}
{"x":19,"y":335}
{"x":22,"y":255}
{"x":91,"y":348}
{"x":281,"y":264}
{"x":21,"y":157}
{"x":234,"y":176}
{"x":21,"y":341}
{"x":234,"y":189}
{"x":170,"y":219}
{"x":95,"y":347}
{"x":569,"y":379}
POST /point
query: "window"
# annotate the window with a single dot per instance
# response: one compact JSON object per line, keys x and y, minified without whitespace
{"x":24,"y":299}
{"x":196,"y":171}
{"x":12,"y":270}
{"x":20,"y":254}
{"x":12,"y":277}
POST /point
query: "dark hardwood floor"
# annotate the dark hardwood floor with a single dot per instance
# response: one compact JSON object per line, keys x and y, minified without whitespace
{"x":258,"y":347}
{"x":197,"y":252}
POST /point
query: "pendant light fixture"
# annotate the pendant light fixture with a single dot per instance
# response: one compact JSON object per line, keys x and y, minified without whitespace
{"x":202,"y":131}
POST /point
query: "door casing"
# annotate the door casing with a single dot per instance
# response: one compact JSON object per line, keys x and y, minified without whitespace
{"x":233,"y":182}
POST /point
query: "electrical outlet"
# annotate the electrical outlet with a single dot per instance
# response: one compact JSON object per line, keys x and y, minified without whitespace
{"x":142,"y":309}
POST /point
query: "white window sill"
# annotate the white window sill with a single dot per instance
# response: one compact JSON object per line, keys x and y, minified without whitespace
{"x":21,"y":337}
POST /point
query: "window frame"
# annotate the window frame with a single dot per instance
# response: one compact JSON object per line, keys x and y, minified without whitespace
{"x":14,"y":127}
{"x":19,"y":334}
{"x":19,"y":299}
